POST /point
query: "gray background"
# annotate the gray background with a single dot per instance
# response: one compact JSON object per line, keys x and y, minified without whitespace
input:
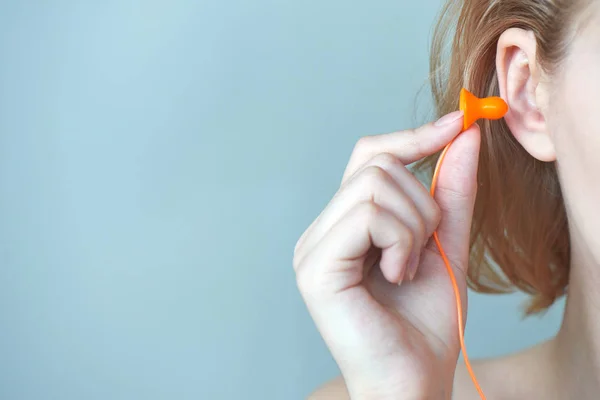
{"x":158,"y":161}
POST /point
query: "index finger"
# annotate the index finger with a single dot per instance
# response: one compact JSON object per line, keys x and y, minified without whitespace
{"x":409,"y":145}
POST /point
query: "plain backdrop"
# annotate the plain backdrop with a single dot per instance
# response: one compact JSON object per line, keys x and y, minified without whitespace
{"x":158,"y":162}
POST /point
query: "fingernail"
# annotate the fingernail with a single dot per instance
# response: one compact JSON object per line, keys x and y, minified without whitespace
{"x":402,"y":277}
{"x":449,"y":118}
{"x":412,"y":266}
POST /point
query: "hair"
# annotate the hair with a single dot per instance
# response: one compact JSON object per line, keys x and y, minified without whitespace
{"x":520,"y":235}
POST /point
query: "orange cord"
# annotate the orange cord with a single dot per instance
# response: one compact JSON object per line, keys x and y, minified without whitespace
{"x":453,"y":280}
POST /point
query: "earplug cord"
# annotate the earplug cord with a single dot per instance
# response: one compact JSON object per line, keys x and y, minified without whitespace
{"x":459,"y":307}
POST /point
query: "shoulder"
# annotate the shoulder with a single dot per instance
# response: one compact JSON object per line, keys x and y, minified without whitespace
{"x":332,"y":390}
{"x":515,"y":376}
{"x":464,"y":388}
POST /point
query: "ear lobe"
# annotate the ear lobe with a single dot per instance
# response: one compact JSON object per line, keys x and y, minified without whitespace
{"x":518,"y":79}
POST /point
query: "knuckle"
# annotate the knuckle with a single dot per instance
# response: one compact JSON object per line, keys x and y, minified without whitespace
{"x":303,"y":281}
{"x":436,"y":213}
{"x":296,"y":260}
{"x":297,"y":246}
{"x":298,"y":256}
{"x":421,"y":230}
{"x":433,"y":217}
{"x":406,"y":236}
{"x":368,"y":209}
{"x":361,"y":146}
{"x":455,"y":195}
{"x":412,"y":140}
{"x":375,"y":174}
{"x":307,"y":282}
{"x":362,"y":143}
{"x":412,"y":134}
{"x":386,"y":160}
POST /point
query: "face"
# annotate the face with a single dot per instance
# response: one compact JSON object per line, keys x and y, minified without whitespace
{"x":572,"y":119}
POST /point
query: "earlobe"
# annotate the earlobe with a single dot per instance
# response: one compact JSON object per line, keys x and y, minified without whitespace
{"x":518,"y":79}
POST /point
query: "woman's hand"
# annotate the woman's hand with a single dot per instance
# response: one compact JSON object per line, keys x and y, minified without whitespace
{"x":372,"y":279}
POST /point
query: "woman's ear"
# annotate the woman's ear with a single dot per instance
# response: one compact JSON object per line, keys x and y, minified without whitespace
{"x":518,"y":78}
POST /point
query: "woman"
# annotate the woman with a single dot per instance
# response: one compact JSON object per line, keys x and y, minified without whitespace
{"x":524,"y":190}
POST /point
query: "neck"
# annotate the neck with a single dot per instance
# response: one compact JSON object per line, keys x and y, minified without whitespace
{"x":578,"y":341}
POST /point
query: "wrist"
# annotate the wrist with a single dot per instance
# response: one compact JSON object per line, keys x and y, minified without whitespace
{"x":418,"y":389}
{"x":406,"y":392}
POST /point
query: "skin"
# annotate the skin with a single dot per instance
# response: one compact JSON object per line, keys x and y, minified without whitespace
{"x":395,"y":341}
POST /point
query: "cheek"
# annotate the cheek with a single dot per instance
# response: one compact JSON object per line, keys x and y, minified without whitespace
{"x":574,"y":122}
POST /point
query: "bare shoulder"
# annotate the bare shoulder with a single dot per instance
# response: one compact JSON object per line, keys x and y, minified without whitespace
{"x":514,"y":376}
{"x":332,"y":390}
{"x":464,"y":388}
{"x":500,"y":378}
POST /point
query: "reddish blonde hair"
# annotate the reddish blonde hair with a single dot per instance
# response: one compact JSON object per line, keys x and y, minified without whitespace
{"x":520,"y":236}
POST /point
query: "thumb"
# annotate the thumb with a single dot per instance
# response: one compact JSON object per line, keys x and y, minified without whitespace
{"x":455,"y":194}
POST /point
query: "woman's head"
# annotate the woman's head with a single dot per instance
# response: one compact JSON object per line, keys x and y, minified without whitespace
{"x":538,"y":198}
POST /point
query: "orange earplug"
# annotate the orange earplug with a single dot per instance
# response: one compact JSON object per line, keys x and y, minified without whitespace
{"x":476,"y":108}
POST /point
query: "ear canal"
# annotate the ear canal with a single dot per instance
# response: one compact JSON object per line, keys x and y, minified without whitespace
{"x":475,"y":108}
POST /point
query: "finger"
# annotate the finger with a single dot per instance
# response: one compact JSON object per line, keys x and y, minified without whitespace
{"x":455,"y":194}
{"x":427,"y":208}
{"x":409,"y":145}
{"x":410,"y":185}
{"x":337,"y":262}
{"x":373,"y":184}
